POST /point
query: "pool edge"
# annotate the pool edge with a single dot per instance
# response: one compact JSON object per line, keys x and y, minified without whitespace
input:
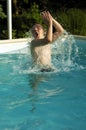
{"x":29,"y":39}
{"x":15,"y":40}
{"x":80,"y":37}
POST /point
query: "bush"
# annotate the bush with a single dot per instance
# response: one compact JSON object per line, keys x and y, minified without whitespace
{"x":2,"y":14}
{"x":23,"y":23}
{"x":74,"y":21}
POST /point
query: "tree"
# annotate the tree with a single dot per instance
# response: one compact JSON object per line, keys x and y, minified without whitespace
{"x":2,"y":14}
{"x":15,"y":7}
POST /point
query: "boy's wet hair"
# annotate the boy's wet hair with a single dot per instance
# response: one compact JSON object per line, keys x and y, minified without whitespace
{"x":37,"y":25}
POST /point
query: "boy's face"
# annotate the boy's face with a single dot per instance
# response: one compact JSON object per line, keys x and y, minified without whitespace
{"x":37,"y":31}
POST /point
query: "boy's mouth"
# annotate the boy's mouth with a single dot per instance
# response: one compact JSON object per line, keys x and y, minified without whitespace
{"x":36,"y":33}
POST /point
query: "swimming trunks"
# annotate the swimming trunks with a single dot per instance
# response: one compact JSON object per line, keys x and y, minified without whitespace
{"x":47,"y":69}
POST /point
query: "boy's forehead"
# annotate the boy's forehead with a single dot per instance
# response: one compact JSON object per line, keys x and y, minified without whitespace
{"x":38,"y":26}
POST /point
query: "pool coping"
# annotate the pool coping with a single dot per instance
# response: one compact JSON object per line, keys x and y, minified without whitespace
{"x":29,"y":39}
{"x":15,"y":40}
{"x":80,"y":37}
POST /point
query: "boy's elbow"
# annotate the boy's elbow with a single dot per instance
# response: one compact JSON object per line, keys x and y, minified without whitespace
{"x":49,"y":40}
{"x":61,"y":31}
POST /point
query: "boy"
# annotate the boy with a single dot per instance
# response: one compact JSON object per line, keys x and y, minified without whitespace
{"x":41,"y":45}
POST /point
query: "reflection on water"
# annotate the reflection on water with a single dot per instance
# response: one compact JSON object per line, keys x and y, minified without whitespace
{"x":43,"y":87}
{"x":34,"y":81}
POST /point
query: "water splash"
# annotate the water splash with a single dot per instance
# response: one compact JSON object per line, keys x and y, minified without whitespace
{"x":64,"y":52}
{"x":64,"y":56}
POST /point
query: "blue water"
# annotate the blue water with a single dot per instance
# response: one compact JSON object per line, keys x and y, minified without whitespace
{"x":31,"y":100}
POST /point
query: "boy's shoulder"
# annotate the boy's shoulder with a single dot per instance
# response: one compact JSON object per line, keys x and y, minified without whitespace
{"x":33,"y":41}
{"x":39,"y":42}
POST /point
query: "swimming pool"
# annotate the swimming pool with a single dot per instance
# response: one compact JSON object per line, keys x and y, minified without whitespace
{"x":32,"y":100}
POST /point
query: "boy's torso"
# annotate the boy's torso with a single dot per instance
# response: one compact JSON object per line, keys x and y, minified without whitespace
{"x":41,"y":52}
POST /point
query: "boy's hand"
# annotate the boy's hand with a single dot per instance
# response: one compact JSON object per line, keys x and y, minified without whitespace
{"x":46,"y":16}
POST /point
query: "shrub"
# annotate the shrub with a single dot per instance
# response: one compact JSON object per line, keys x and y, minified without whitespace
{"x":74,"y":21}
{"x":23,"y":23}
{"x":2,"y":14}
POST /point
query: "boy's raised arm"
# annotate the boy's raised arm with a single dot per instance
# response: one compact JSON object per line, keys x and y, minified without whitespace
{"x":51,"y":22}
{"x":47,"y":18}
{"x":58,"y":29}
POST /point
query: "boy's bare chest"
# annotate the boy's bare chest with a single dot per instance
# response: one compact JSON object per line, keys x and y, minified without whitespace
{"x":39,"y":48}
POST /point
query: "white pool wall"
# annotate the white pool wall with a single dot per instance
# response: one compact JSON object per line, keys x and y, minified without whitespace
{"x":9,"y":46}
